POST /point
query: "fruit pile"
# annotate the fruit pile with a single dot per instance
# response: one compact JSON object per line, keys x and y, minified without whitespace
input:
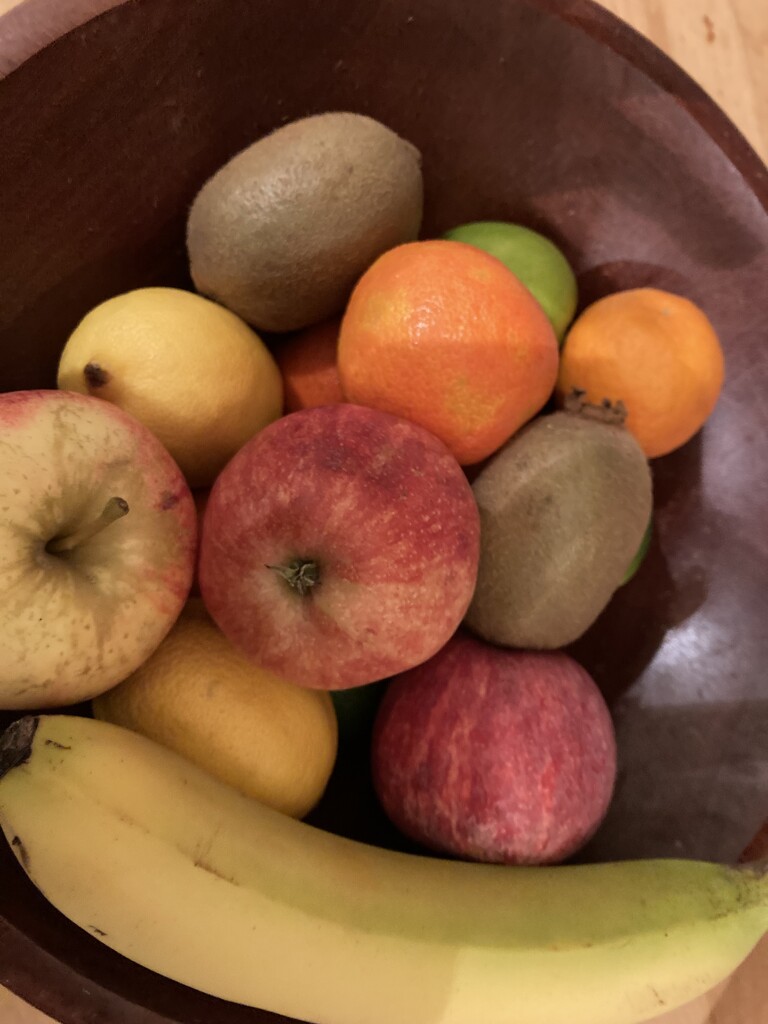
{"x":349,"y":457}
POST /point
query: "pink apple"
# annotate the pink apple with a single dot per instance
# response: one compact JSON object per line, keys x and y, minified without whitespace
{"x":496,"y":755}
{"x":340,"y":546}
{"x":97,"y":546}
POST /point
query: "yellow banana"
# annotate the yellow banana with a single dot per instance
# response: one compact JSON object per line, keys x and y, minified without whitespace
{"x":183,"y":875}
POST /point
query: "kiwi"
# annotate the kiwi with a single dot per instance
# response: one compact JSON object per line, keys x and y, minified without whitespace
{"x":563,"y":509}
{"x":282,"y":232}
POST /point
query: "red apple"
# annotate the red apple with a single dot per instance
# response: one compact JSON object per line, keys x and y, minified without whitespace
{"x":495,"y":755}
{"x":97,"y":545}
{"x":340,"y":546}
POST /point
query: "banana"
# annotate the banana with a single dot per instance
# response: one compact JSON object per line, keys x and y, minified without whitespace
{"x":183,"y":875}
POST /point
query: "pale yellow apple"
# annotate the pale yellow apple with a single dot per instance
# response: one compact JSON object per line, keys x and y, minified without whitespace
{"x":97,"y":546}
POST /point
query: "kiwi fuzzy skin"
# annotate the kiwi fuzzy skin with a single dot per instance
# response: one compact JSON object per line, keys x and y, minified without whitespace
{"x":281,"y":233}
{"x":563,"y":509}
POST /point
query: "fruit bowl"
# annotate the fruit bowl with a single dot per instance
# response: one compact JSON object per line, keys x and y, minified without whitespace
{"x":553,"y":114}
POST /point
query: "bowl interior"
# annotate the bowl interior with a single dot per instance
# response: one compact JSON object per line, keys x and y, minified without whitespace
{"x":551,"y":114}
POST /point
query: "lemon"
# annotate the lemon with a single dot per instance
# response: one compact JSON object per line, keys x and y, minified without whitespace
{"x":191,"y":371}
{"x":268,"y":738}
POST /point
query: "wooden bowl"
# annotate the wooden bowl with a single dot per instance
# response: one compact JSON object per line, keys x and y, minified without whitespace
{"x":550,"y":113}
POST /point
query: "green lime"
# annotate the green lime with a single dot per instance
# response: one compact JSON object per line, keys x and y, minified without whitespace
{"x":532,"y":258}
{"x":640,"y":554}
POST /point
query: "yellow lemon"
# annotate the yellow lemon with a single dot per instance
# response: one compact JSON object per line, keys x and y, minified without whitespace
{"x":270,"y":739}
{"x":193,"y":372}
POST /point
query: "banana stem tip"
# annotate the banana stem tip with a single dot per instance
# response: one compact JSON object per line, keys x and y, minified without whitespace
{"x":16,"y":743}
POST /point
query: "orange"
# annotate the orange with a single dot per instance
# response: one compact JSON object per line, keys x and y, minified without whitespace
{"x":657,"y":353}
{"x":307,"y":361}
{"x":443,"y":334}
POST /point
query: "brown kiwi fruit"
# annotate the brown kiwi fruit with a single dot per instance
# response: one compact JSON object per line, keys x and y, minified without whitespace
{"x":563,"y":508}
{"x":281,"y":233}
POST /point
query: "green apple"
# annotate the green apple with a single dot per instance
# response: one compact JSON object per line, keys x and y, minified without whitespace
{"x":534,"y":260}
{"x":97,"y":546}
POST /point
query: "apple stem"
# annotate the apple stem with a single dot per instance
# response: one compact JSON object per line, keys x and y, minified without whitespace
{"x":115,"y":509}
{"x":16,"y":743}
{"x":301,"y":574}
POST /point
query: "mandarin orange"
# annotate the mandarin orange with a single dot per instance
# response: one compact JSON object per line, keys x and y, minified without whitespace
{"x":307,"y":361}
{"x":656,"y":352}
{"x":443,"y":334}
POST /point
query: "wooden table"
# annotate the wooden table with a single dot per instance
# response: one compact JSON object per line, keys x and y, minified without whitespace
{"x":723,"y":44}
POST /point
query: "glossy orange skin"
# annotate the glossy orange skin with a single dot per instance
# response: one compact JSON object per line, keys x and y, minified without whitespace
{"x":656,"y":352}
{"x":443,"y":334}
{"x":307,"y":361}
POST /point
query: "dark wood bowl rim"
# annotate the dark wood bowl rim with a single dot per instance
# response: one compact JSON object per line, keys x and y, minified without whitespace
{"x":29,"y":971}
